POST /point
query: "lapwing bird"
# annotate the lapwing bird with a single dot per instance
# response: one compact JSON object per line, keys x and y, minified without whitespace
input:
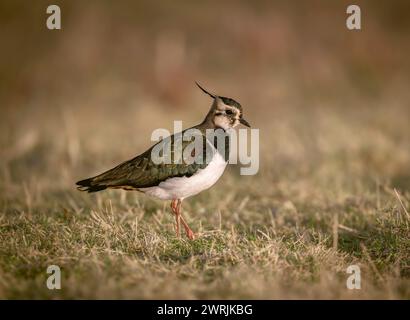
{"x":179,"y":178}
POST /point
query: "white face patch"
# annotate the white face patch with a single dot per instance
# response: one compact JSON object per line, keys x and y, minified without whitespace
{"x":226,"y":116}
{"x":222,"y":121}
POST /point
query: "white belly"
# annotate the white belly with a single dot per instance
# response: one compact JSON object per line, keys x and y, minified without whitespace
{"x":183,"y":187}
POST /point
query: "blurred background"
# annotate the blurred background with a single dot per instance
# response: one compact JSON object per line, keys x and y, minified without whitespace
{"x":89,"y":95}
{"x":332,"y":106}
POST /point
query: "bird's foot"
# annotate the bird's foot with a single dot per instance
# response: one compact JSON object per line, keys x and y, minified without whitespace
{"x":190,"y":234}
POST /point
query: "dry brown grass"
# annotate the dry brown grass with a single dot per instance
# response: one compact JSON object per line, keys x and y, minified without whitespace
{"x":333,"y":187}
{"x":267,"y":236}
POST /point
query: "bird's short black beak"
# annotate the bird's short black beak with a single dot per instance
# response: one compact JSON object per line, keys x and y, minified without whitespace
{"x":244,"y":122}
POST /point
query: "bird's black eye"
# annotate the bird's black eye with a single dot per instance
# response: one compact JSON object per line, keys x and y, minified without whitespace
{"x":229,"y":112}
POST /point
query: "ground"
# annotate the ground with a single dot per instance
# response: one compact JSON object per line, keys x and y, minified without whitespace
{"x":333,"y":187}
{"x":289,"y":232}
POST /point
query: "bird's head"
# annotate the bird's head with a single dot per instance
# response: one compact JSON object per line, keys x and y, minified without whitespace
{"x":225,"y":112}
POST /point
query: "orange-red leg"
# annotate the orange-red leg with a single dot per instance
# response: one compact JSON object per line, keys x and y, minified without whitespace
{"x":174,"y":208}
{"x":188,"y":231}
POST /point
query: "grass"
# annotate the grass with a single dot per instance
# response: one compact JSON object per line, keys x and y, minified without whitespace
{"x":333,"y":188}
{"x":289,"y":232}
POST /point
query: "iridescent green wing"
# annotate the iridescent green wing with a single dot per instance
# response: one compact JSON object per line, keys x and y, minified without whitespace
{"x":171,"y":157}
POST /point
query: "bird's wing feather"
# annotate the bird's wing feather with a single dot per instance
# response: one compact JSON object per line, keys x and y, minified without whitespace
{"x":143,"y":171}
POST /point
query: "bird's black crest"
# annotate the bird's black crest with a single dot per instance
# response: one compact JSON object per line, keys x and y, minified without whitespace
{"x":209,"y":94}
{"x":227,"y":101}
{"x":231,"y":102}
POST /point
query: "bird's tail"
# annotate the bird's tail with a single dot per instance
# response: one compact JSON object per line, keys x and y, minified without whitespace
{"x":90,"y":185}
